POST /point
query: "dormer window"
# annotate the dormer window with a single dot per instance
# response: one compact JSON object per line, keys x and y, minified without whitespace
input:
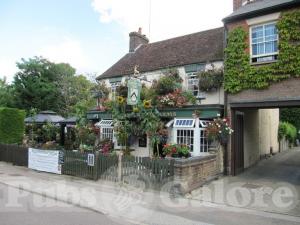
{"x":264,"y":43}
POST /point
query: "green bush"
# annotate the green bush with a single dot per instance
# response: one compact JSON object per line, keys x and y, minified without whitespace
{"x":11,"y":125}
{"x":288,"y":131}
{"x":291,"y":115}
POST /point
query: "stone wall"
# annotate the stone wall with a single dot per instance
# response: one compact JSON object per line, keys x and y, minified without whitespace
{"x":192,"y":173}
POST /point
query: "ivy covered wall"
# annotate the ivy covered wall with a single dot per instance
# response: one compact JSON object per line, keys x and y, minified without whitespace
{"x":240,"y":74}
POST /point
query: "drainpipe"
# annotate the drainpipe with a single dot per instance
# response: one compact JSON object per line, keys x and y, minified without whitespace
{"x":225,"y":163}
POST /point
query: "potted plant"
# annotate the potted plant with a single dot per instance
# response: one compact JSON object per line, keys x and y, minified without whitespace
{"x":184,"y":151}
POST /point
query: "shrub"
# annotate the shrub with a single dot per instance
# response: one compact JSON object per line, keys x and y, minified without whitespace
{"x":288,"y":131}
{"x":11,"y":125}
{"x":176,"y":150}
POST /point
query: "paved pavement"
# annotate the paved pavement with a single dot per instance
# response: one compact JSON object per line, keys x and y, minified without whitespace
{"x":36,"y":210}
{"x":114,"y":204}
{"x":279,"y":174}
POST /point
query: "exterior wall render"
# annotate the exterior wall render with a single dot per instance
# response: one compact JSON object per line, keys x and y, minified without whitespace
{"x":211,"y":98}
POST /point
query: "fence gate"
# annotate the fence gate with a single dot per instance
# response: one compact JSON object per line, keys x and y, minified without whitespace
{"x":151,"y":173}
{"x":107,"y":167}
{"x":79,"y":164}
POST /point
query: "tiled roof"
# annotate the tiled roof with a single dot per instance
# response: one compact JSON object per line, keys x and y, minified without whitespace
{"x":206,"y":46}
{"x":260,"y":6}
{"x":44,"y":117}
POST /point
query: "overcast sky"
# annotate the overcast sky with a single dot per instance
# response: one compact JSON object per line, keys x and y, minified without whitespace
{"x":92,"y":35}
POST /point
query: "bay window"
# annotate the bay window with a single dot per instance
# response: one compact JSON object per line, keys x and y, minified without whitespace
{"x":190,"y":132}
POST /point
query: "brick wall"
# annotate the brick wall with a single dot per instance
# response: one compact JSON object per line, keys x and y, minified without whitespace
{"x":192,"y":173}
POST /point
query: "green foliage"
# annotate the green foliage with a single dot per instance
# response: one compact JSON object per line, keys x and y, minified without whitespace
{"x":6,"y":94}
{"x":176,"y":150}
{"x":122,"y":90}
{"x":36,"y":85}
{"x":291,"y":115}
{"x":11,"y":125}
{"x":288,"y":131}
{"x":76,"y":93}
{"x":168,"y":83}
{"x":149,"y":93}
{"x":211,"y":80}
{"x":142,"y":119}
{"x":49,"y":132}
{"x":189,"y":97}
{"x":85,"y":138}
{"x":240,"y":75}
{"x":50,"y":86}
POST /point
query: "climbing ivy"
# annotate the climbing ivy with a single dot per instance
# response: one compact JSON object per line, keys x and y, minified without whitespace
{"x":240,"y":75}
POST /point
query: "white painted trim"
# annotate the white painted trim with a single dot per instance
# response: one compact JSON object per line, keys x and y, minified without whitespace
{"x":250,"y":41}
{"x":263,"y":19}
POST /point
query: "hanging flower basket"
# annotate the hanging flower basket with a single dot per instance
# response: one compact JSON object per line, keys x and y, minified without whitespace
{"x":219,"y":130}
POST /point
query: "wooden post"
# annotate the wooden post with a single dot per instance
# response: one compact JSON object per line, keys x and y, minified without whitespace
{"x":120,"y":166}
{"x":96,"y":164}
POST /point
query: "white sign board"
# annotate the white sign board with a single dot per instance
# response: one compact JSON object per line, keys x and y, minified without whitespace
{"x":44,"y":160}
{"x":91,"y":160}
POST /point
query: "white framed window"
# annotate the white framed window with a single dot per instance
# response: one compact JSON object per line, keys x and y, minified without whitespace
{"x":264,"y":42}
{"x":185,"y":136}
{"x":106,"y":129}
{"x":192,"y":77}
{"x":107,"y":133}
{"x":190,"y":132}
{"x":114,"y":86}
{"x":204,"y":144}
{"x":193,"y":83}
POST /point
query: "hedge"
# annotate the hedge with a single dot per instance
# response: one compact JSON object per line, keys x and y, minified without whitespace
{"x":11,"y":125}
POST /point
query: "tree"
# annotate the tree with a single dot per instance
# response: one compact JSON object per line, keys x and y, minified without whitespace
{"x":36,"y":85}
{"x":45,"y":85}
{"x":76,"y":93}
{"x":6,"y":94}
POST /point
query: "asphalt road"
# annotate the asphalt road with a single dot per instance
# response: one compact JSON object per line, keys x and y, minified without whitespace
{"x":34,"y":209}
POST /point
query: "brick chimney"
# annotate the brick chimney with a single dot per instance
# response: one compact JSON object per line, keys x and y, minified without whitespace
{"x":239,"y":3}
{"x":136,"y":39}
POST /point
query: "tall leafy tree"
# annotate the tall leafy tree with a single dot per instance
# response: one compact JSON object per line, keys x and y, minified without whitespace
{"x":36,"y":85}
{"x":45,"y":85}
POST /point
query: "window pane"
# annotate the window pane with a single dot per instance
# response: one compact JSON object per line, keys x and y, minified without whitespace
{"x":270,"y":47}
{"x":260,"y":49}
{"x":257,"y":32}
{"x":271,"y":38}
{"x":257,"y":40}
{"x":254,"y":49}
{"x":270,"y":29}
